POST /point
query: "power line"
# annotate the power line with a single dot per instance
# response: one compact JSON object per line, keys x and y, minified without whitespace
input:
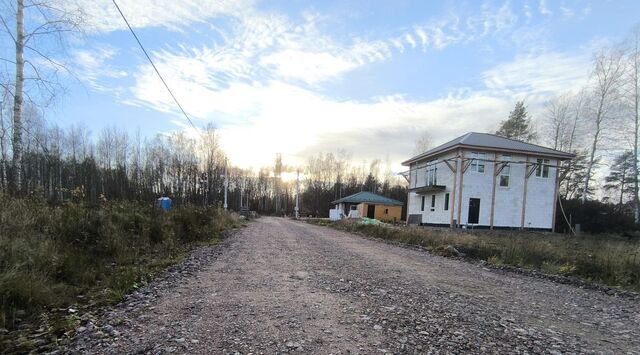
{"x":154,"y":66}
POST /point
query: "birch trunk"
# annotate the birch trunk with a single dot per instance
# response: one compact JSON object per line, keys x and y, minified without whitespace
{"x":17,"y":99}
{"x":636,"y":111}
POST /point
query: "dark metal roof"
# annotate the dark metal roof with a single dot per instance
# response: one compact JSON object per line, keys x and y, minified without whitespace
{"x":491,"y":141}
{"x":368,"y":197}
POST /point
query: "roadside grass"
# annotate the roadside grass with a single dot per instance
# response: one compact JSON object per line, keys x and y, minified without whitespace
{"x":611,"y":260}
{"x":55,"y":257}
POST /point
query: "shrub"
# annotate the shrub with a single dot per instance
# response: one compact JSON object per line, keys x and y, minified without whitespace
{"x":595,"y":217}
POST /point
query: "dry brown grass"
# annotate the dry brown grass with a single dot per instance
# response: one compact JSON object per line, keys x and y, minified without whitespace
{"x":49,"y":255}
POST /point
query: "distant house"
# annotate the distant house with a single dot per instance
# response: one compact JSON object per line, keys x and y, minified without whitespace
{"x":484,"y":180}
{"x":371,"y":205}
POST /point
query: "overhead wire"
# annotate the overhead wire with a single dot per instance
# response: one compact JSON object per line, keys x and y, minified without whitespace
{"x":153,"y":65}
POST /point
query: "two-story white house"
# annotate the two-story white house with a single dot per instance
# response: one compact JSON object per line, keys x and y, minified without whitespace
{"x":485,"y":180}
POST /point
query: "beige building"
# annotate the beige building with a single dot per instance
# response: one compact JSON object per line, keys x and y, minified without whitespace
{"x":371,"y":205}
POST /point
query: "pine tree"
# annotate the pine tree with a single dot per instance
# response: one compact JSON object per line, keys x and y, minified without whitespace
{"x":621,"y":177}
{"x":518,"y":125}
{"x":573,"y":184}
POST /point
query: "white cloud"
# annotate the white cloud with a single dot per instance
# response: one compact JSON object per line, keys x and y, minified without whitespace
{"x":567,"y":12}
{"x":93,"y":66}
{"x":528,"y":13}
{"x":544,"y":9}
{"x":422,"y":35}
{"x":409,"y":38}
{"x":102,"y":16}
{"x":258,"y":85}
{"x":281,"y":117}
{"x":397,"y":43}
{"x":307,"y":66}
{"x":539,"y":75}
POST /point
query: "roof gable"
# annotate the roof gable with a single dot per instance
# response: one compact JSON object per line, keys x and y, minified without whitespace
{"x":490,"y":141}
{"x":368,"y":197}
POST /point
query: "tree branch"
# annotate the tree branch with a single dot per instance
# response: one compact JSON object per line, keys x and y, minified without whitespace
{"x":45,"y":57}
{"x":6,"y":27}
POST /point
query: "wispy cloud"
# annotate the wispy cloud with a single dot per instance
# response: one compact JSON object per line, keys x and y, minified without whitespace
{"x":567,"y":12}
{"x":275,"y":115}
{"x":260,"y":81}
{"x":101,"y":15}
{"x":92,"y":65}
{"x":544,"y":9}
{"x":541,"y":75}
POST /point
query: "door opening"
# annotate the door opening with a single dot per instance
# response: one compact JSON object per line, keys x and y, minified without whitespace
{"x":371,"y":211}
{"x":474,"y":211}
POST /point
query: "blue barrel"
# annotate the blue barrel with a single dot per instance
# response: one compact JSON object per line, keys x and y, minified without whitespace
{"x":164,"y":203}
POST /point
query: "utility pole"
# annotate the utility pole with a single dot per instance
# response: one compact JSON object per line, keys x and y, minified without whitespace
{"x":241,"y":191}
{"x":277,"y":177}
{"x":226,"y":184}
{"x":297,"y":193}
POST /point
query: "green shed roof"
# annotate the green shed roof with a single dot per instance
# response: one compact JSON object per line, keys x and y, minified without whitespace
{"x":368,"y":197}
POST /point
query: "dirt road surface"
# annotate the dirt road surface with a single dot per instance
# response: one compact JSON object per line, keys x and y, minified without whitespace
{"x":282,"y":286}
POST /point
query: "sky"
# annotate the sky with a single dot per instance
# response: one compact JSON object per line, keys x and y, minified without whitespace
{"x":303,"y":77}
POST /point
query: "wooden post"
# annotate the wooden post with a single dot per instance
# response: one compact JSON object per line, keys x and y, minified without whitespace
{"x":524,"y":193}
{"x":454,"y":170}
{"x":462,"y":170}
{"x":408,"y":202}
{"x":493,"y":189}
{"x":556,"y":184}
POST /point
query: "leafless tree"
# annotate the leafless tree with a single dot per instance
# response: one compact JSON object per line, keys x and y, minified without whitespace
{"x":632,"y":81}
{"x":35,"y":67}
{"x":4,"y":134}
{"x":558,"y":113}
{"x":606,"y":76}
{"x":423,"y":143}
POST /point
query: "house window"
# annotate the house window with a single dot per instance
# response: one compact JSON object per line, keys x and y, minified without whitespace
{"x":433,"y":202}
{"x":422,"y":208}
{"x":386,"y":211}
{"x":506,"y":171}
{"x":543,"y":168}
{"x":446,"y":201}
{"x":477,"y":162}
{"x":432,"y":169}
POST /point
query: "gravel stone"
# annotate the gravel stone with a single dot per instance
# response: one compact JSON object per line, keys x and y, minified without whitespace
{"x":280,"y":286}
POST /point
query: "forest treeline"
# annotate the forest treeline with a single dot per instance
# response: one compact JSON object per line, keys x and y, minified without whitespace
{"x":64,"y":164}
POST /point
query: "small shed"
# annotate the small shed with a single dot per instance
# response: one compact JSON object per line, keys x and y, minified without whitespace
{"x":371,"y":205}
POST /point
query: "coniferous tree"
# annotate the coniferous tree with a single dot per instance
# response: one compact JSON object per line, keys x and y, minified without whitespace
{"x":621,"y":178}
{"x":518,"y":125}
{"x":573,"y":184}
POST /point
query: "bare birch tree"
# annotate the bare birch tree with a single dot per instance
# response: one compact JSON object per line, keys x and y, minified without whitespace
{"x":4,"y":133}
{"x":558,"y":113}
{"x":423,"y":143}
{"x":607,"y":74}
{"x":46,"y":21}
{"x":632,"y":80}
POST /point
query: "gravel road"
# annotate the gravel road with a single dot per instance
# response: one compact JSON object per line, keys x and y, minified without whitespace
{"x":282,"y":286}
